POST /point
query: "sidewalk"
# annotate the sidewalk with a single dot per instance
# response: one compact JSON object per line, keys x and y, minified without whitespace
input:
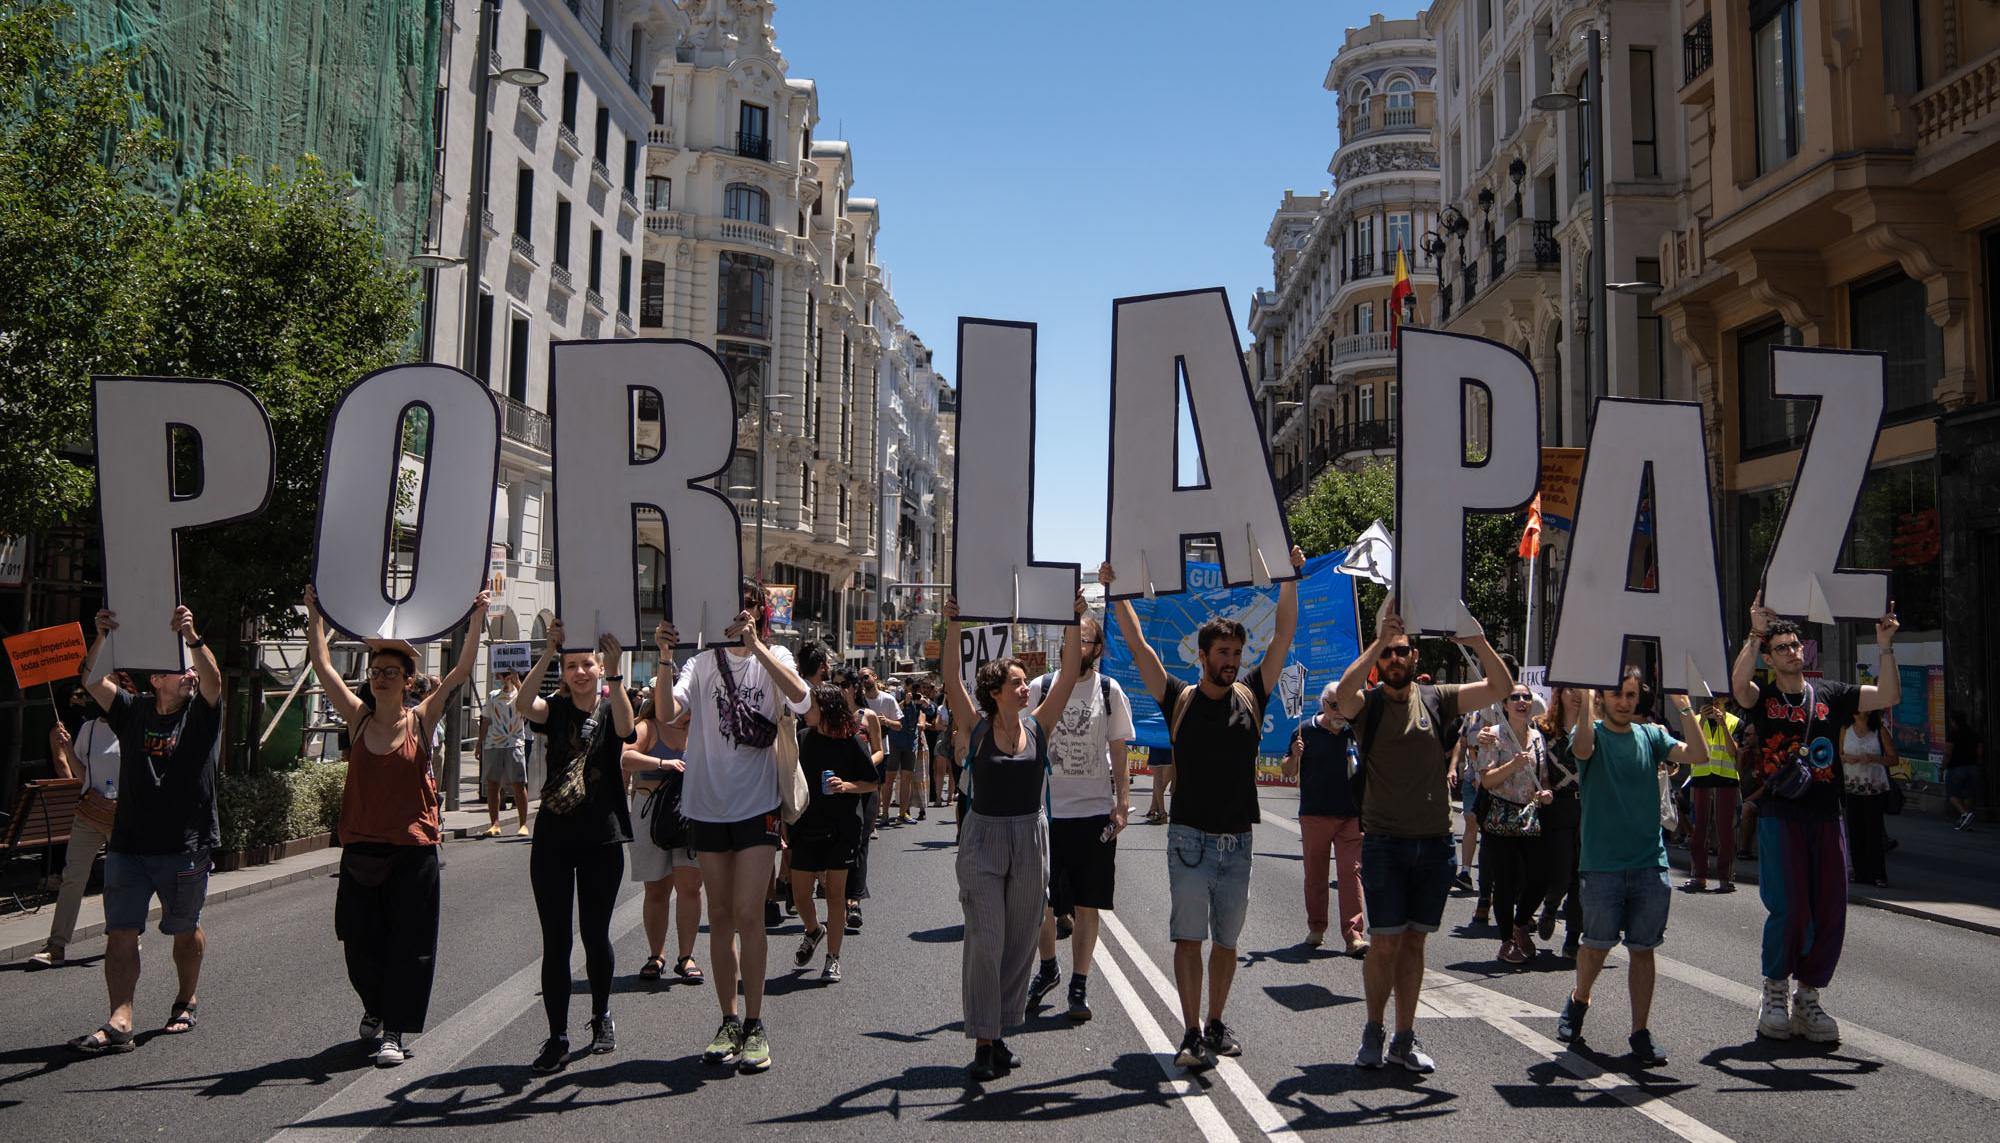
{"x":1936,"y":873}
{"x":23,"y":934}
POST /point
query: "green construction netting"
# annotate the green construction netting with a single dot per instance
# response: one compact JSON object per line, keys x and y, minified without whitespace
{"x":351,"y":81}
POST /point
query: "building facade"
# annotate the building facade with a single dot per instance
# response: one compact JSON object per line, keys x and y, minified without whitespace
{"x":1322,"y":360}
{"x":1851,"y":199}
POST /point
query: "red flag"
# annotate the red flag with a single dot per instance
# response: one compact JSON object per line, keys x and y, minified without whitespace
{"x":1531,"y":536}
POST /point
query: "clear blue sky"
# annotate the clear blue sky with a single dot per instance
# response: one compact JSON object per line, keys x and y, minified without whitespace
{"x":1038,"y":158}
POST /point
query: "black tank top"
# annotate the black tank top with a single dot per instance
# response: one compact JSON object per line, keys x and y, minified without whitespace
{"x":1009,"y":785}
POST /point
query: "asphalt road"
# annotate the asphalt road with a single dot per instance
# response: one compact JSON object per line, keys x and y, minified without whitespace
{"x":882,"y":1053}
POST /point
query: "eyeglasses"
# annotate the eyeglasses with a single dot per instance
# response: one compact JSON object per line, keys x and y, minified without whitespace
{"x":1398,"y":652}
{"x":385,"y":672}
{"x":1787,"y":648}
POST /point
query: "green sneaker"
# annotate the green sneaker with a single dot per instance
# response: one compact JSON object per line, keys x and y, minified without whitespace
{"x":755,"y":1055}
{"x":727,"y":1047}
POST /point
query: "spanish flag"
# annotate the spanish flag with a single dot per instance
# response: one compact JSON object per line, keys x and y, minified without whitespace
{"x":1531,"y":536}
{"x":1403,"y":289}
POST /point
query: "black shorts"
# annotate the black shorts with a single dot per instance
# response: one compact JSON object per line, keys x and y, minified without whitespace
{"x":826,"y":853}
{"x":734,"y":837}
{"x":1082,"y":869}
{"x":902,"y":758}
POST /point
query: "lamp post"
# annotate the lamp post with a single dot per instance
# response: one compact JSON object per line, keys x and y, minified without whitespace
{"x":763,"y":419}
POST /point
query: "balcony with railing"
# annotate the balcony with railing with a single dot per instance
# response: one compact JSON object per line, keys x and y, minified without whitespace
{"x":753,"y":146}
{"x":523,"y":425}
{"x":600,"y":174}
{"x":1966,"y":101}
{"x":1496,"y":257}
{"x":1290,"y":483}
{"x":1362,"y":266}
{"x":1546,"y":251}
{"x":628,"y":203}
{"x":531,"y":102}
{"x":566,"y":139}
{"x":524,"y":251}
{"x":750,"y":233}
{"x":1469,"y":276}
{"x":659,"y":135}
{"x":1364,"y":436}
{"x":559,"y":278}
{"x":1697,"y":51}
{"x":1361,"y":347}
{"x":669,"y":222}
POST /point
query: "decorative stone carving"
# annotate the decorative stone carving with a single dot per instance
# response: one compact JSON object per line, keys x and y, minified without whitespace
{"x":1386,"y":157}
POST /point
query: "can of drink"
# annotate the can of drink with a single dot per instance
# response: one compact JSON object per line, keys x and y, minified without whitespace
{"x":826,"y":780}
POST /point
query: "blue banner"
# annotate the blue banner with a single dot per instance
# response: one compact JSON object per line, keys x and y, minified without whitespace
{"x":1329,"y":638}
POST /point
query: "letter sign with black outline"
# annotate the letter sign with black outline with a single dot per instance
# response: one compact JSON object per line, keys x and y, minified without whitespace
{"x":1846,"y":388}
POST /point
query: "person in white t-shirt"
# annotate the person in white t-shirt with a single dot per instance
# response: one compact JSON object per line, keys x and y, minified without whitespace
{"x":91,"y":755}
{"x":503,"y":754}
{"x":1089,"y":787}
{"x":730,"y":798}
{"x":889,"y":713}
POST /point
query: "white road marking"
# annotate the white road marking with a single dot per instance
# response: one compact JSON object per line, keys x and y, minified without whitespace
{"x":1214,"y":1127}
{"x":361,"y":1106}
{"x":1957,"y":1073}
{"x":1653,"y":1106}
{"x":1263,"y":1113}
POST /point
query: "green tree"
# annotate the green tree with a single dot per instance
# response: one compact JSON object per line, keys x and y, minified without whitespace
{"x":74,"y":233}
{"x":279,"y":286}
{"x":1339,"y":507}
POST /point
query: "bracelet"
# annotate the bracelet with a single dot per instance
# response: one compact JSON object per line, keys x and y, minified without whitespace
{"x":197,"y":644}
{"x":1755,"y":634}
{"x":614,"y":678}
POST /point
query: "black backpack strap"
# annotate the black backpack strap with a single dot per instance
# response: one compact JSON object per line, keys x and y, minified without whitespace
{"x":1371,"y":718}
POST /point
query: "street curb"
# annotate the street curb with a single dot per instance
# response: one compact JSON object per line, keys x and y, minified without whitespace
{"x":323,"y":860}
{"x":1680,"y":859}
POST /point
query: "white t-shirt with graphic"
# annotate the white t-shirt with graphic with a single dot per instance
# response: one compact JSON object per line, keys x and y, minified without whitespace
{"x":1080,"y":784}
{"x":726,"y":782}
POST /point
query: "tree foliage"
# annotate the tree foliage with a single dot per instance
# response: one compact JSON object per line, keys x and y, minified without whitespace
{"x":1339,"y":507}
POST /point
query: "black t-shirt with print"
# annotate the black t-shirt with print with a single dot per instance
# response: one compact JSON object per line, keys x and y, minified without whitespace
{"x":602,"y":818}
{"x":1215,"y":757}
{"x":1780,"y":723}
{"x":166,"y":776}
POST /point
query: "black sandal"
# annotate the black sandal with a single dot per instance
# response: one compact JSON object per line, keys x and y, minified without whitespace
{"x":113,"y":1042}
{"x":652,"y":968}
{"x":183,"y":1015}
{"x":686,"y":969}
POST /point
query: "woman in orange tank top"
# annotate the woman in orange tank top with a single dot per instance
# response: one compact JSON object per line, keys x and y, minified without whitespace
{"x":386,"y":909}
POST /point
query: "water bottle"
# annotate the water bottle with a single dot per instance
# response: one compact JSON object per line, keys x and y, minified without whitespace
{"x":826,"y":780}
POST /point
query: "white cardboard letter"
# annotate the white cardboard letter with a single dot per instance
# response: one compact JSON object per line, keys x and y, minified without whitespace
{"x":1156,"y":342}
{"x":1598,"y":610}
{"x":1846,"y":388}
{"x":454,"y":505}
{"x":997,"y":577}
{"x":1435,"y":485}
{"x":601,"y":483}
{"x":142,"y":518}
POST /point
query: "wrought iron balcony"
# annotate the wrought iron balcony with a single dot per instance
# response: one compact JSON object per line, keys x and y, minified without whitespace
{"x":1496,"y":257}
{"x":1697,"y":51}
{"x":527,"y":426}
{"x":1363,"y":266}
{"x":1364,"y":436}
{"x":1547,"y":252}
{"x":753,"y":146}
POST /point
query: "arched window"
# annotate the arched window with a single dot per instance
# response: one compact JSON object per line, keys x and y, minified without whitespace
{"x":1402,"y":104}
{"x":746,"y":203}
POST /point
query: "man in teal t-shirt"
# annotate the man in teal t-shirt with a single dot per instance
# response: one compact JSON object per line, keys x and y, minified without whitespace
{"x":1623,"y":857}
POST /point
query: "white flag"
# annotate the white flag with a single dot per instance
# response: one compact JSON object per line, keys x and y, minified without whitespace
{"x":1372,"y":556}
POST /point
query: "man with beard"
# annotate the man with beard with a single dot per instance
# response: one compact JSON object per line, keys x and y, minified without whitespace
{"x":1406,"y":850}
{"x":1215,"y":727}
{"x":1801,"y":849}
{"x":1089,"y":786}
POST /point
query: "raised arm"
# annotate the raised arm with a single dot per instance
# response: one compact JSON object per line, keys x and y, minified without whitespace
{"x":97,"y":676}
{"x":1049,"y":713}
{"x":1283,"y":627}
{"x":787,"y":680}
{"x":1497,"y":684}
{"x":433,"y":706}
{"x":1743,"y":672}
{"x":528,"y":700}
{"x":610,"y":656}
{"x":1693,"y":746}
{"x":963,"y":715}
{"x":344,"y":701}
{"x":1350,"y":691}
{"x":1583,"y":743}
{"x":207,"y":673}
{"x":666,"y":703}
{"x":1888,"y":690}
{"x":1151,"y":671}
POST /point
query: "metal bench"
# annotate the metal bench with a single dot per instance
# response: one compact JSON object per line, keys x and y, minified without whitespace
{"x":40,"y":821}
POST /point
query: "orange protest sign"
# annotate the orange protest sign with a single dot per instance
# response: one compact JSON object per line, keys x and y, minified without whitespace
{"x":864,"y":633}
{"x":46,"y":655}
{"x":1562,"y":473}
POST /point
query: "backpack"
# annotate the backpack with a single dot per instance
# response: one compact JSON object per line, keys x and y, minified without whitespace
{"x":1371,"y":721}
{"x":1239,"y":690}
{"x":1041,"y":686}
{"x":670,"y":831}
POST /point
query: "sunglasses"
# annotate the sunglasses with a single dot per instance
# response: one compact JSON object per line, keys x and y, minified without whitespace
{"x":1398,"y":652}
{"x":385,"y":672}
{"x":1528,"y":700}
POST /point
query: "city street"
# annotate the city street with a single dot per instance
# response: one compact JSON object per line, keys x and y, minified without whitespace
{"x":880,"y":1055}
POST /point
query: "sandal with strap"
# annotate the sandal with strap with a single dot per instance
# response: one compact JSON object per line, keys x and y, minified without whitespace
{"x":183,"y":1019}
{"x":652,"y":968}
{"x":106,"y":1041}
{"x":686,"y":969}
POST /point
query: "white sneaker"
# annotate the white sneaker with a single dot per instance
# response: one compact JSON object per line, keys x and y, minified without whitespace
{"x":1774,"y":1019}
{"x":1810,"y":1020}
{"x":391,"y":1052}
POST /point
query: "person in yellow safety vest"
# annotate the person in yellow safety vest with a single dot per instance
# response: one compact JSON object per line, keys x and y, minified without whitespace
{"x":1715,"y":785}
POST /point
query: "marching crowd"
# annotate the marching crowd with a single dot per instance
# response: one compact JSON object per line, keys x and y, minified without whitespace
{"x":748,"y":782}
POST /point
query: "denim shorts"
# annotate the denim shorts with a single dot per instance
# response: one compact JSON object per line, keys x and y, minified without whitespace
{"x":1404,"y":882}
{"x":1962,"y":782}
{"x":131,"y":880}
{"x":1628,"y":902}
{"x":1208,"y":875}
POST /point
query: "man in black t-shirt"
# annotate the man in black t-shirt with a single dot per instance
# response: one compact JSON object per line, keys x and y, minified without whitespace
{"x":1216,"y":726}
{"x":165,"y":828}
{"x":1792,"y":748}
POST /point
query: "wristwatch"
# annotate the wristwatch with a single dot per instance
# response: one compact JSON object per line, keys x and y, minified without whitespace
{"x":197,"y":644}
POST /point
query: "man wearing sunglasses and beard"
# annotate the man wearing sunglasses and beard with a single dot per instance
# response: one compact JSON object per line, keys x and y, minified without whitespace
{"x":1406,"y":849}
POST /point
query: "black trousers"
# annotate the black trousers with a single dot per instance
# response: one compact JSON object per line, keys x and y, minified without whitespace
{"x":1560,"y":844}
{"x":1868,"y":836}
{"x":585,"y":878}
{"x":857,"y":873}
{"x":1520,"y":868}
{"x":385,"y":913}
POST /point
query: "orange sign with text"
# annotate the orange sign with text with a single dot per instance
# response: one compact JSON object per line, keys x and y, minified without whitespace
{"x":864,"y":633}
{"x":1562,"y":473}
{"x":46,"y":655}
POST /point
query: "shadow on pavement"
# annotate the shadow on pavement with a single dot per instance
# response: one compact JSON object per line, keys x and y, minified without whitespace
{"x":1372,"y":1097}
{"x":491,"y":1094}
{"x":1016,"y":1097}
{"x":1788,"y":1066}
{"x":1307,"y":997}
{"x":323,"y":1067}
{"x":947,"y":935}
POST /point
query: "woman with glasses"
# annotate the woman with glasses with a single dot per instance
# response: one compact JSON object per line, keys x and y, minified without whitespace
{"x":1512,"y":759}
{"x":385,"y":911}
{"x":578,"y":854}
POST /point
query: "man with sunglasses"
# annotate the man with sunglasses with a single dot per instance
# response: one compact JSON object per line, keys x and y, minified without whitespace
{"x":1406,"y":849}
{"x":1801,"y":849}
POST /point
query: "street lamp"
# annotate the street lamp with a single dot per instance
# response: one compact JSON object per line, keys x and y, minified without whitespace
{"x":763,"y":419}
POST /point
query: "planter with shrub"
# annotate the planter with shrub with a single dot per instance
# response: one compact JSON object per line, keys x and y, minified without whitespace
{"x":274,"y":814}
